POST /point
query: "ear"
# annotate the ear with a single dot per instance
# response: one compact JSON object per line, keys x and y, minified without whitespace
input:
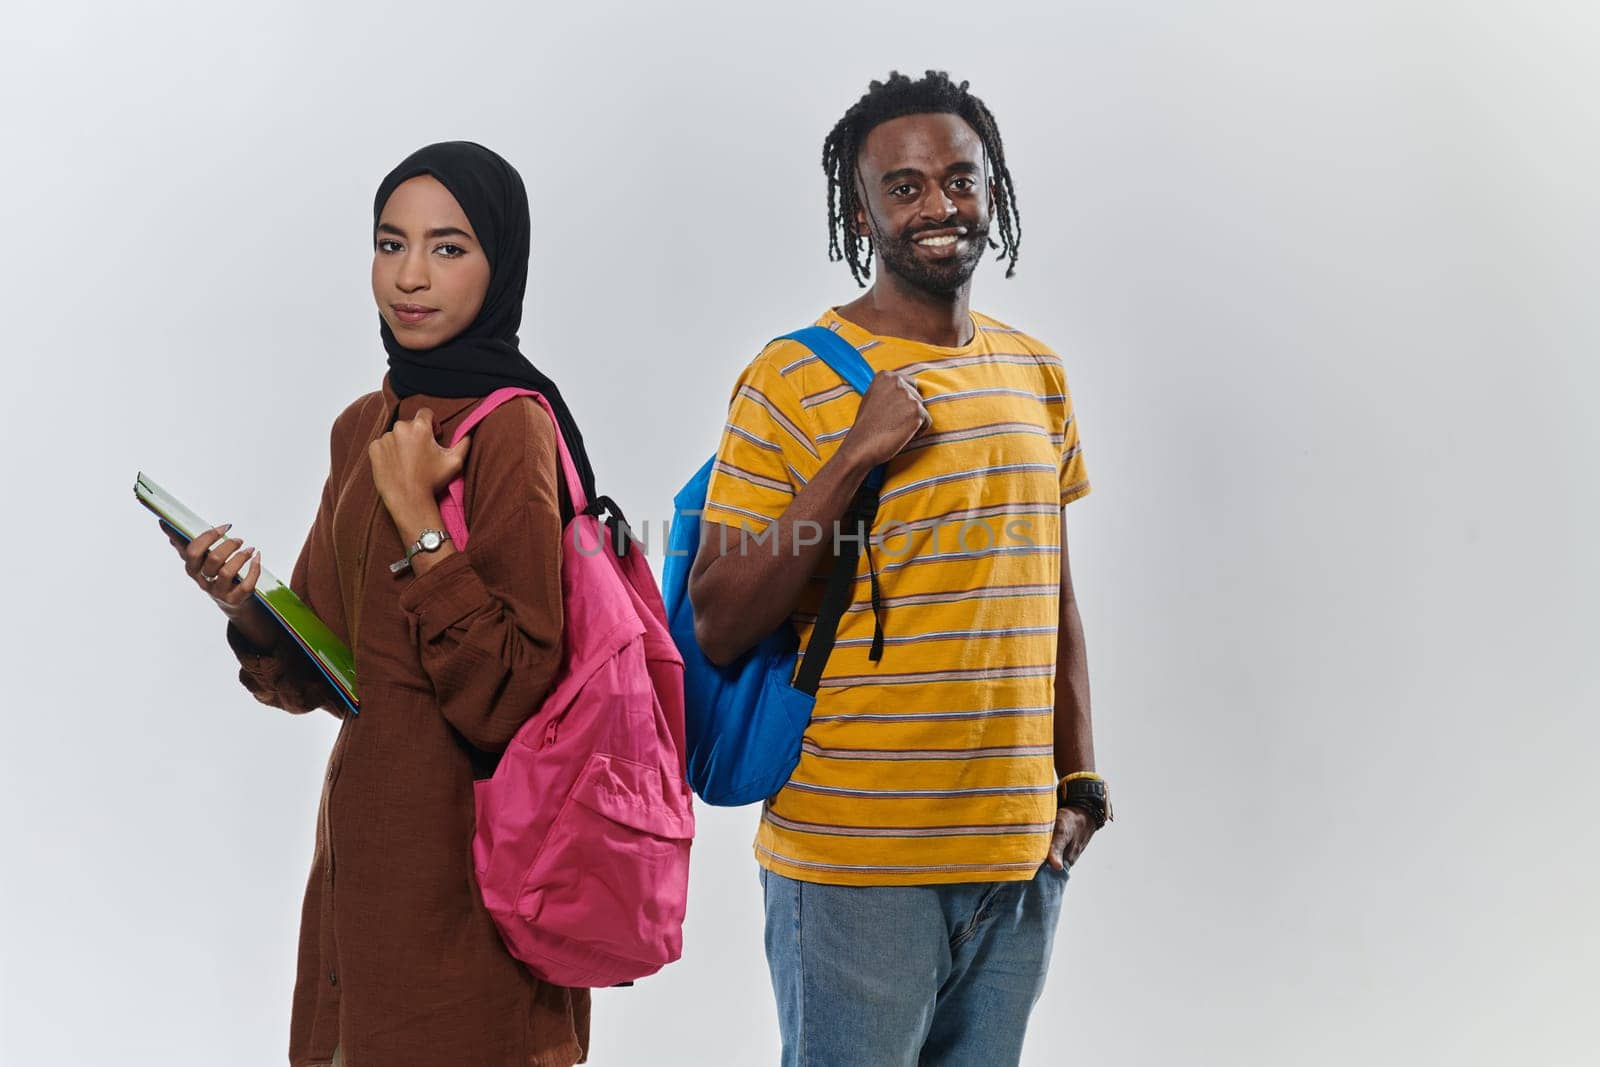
{"x":862,"y":220}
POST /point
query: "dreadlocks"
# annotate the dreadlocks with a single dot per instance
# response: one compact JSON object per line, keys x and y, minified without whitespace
{"x":933,"y":93}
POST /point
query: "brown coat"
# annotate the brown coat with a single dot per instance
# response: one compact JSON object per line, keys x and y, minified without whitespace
{"x":400,"y":965}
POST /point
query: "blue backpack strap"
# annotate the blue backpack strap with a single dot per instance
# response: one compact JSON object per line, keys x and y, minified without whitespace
{"x":837,"y":353}
{"x":847,"y":363}
{"x":841,"y":356}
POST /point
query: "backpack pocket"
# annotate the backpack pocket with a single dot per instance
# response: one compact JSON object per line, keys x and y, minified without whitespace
{"x":610,"y":880}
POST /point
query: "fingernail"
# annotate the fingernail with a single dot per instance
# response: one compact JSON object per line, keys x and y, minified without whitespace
{"x":224,"y":528}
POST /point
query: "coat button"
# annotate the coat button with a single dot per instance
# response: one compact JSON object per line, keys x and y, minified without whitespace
{"x":333,"y":977}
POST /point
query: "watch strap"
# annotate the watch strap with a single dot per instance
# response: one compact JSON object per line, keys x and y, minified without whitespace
{"x":417,"y":546}
{"x":1087,"y":792}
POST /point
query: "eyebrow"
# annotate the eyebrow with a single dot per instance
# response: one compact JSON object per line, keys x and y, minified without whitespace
{"x":912,"y":172}
{"x":439,"y":231}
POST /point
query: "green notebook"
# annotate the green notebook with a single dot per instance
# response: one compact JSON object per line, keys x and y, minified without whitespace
{"x":329,"y":653}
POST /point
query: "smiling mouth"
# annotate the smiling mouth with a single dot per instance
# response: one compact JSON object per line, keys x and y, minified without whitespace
{"x":943,"y":239}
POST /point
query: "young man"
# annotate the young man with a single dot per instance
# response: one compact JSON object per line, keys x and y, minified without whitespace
{"x":914,"y":864}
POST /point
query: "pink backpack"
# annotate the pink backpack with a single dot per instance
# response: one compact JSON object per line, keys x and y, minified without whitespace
{"x":582,"y":843}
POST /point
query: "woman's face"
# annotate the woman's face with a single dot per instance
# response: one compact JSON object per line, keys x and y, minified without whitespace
{"x":429,"y":274}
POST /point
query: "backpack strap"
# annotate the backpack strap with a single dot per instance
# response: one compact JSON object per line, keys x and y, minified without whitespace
{"x":453,"y":505}
{"x":837,"y":597}
{"x":843,"y":358}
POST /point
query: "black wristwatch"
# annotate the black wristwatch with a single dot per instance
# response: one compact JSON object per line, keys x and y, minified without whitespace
{"x":1088,"y":795}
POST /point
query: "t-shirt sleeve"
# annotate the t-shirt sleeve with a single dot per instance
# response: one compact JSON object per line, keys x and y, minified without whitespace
{"x":1074,"y":475}
{"x":765,"y":454}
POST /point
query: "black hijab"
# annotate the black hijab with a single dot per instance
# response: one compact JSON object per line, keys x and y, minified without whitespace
{"x":483,"y":357}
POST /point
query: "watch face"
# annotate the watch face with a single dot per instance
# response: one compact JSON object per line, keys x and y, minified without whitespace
{"x":430,"y":540}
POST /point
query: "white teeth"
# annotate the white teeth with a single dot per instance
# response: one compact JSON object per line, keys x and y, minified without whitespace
{"x":937,"y":242}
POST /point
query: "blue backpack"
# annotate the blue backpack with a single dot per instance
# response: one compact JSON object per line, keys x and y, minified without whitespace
{"x":745,"y":721}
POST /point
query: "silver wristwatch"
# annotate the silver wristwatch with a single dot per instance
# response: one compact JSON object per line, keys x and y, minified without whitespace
{"x":429,"y":541}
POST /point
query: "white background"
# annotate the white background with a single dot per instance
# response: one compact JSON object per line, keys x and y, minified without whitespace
{"x":1324,"y":279}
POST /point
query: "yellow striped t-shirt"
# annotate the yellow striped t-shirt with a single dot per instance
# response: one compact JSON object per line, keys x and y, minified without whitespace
{"x":934,"y":764}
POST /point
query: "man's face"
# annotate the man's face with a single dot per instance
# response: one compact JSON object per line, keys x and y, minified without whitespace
{"x":925,"y":199}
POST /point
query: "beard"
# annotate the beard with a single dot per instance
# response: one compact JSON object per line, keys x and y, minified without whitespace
{"x":942,"y":277}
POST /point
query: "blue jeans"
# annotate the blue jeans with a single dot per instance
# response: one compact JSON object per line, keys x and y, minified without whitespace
{"x":908,"y":976}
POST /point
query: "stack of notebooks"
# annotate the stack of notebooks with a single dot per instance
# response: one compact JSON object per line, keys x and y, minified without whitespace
{"x":330,"y":654}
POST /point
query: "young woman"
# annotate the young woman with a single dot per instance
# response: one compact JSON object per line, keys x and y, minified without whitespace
{"x":400,"y":964}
